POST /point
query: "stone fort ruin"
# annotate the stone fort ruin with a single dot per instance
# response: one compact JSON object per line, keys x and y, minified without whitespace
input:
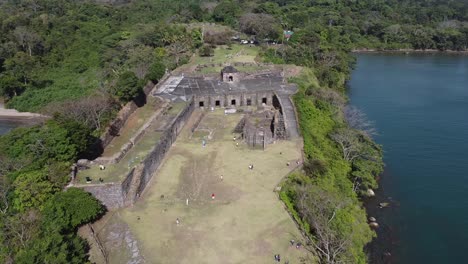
{"x":268,"y":92}
{"x":264,"y":97}
{"x":258,"y":129}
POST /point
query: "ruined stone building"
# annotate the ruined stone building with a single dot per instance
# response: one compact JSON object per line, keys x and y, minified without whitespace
{"x":261,"y":128}
{"x":232,"y":89}
{"x":264,"y":97}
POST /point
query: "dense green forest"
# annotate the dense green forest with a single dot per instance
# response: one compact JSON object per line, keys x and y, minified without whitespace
{"x":79,"y":61}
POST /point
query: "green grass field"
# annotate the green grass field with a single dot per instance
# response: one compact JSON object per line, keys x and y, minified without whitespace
{"x":234,"y":53}
{"x":245,"y":223}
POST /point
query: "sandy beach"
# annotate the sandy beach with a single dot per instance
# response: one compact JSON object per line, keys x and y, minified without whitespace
{"x":14,"y":116}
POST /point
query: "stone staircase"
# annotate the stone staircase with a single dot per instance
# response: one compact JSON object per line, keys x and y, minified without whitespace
{"x":280,"y":132}
{"x":289,"y":115}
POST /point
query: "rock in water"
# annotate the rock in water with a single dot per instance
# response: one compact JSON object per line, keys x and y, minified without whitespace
{"x":374,"y":225}
{"x":383,"y":205}
{"x":372,"y":219}
{"x":370,"y":193}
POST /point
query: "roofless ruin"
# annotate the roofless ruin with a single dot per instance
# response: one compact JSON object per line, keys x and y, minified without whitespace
{"x":264,"y":98}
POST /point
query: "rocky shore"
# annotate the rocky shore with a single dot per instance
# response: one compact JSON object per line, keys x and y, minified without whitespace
{"x":381,"y":250}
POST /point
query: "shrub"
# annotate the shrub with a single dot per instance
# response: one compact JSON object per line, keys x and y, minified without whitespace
{"x":156,"y":71}
{"x":127,"y":87}
{"x":206,"y":51}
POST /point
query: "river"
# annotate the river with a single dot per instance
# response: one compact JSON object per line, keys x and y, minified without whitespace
{"x":6,"y":125}
{"x":419,"y":105}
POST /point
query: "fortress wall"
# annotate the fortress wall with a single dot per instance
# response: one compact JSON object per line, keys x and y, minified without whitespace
{"x":110,"y":194}
{"x":113,"y":129}
{"x":154,"y":159}
{"x":119,"y":194}
{"x":256,"y":99}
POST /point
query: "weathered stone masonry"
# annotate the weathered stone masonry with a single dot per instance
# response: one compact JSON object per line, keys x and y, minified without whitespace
{"x":234,"y":99}
{"x":232,"y":89}
{"x":154,"y":159}
{"x":124,"y":193}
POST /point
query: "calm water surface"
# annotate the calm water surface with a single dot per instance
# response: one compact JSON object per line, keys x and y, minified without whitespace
{"x":419,"y":104}
{"x":7,"y":125}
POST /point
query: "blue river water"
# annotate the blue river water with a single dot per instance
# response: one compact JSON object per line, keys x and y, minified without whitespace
{"x":419,"y":105}
{"x":7,"y":125}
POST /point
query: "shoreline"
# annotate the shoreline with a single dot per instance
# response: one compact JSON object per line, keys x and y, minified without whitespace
{"x":386,"y":240}
{"x":12,"y":115}
{"x":410,"y":51}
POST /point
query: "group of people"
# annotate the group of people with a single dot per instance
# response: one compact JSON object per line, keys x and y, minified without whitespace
{"x":298,"y":244}
{"x":293,"y":243}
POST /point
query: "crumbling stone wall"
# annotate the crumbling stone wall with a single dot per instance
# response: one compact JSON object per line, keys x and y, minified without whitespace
{"x":120,"y":194}
{"x":262,"y":128}
{"x":110,"y":194}
{"x":241,"y":99}
{"x":154,"y":159}
{"x":113,"y":129}
{"x":279,"y":129}
{"x":258,"y":130}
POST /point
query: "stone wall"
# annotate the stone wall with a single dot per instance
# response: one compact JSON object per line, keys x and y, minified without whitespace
{"x":124,"y":193}
{"x":235,"y":99}
{"x":110,"y":194}
{"x":133,"y":140}
{"x":258,"y":129}
{"x":113,"y":129}
{"x":113,"y":194}
{"x":154,"y":159}
{"x":235,"y":64}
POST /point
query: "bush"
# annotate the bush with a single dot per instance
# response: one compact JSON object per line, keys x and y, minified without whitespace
{"x":127,"y":87}
{"x":218,"y":38}
{"x":206,"y":51}
{"x":70,"y":209}
{"x":156,"y":72}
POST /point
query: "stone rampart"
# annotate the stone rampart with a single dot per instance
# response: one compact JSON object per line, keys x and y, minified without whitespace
{"x":154,"y":159}
{"x":235,"y":99}
{"x":119,"y":194}
{"x":110,"y":194}
{"x":113,"y":129}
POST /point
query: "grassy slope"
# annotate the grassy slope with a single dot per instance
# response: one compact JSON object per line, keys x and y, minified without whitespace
{"x":316,"y":121}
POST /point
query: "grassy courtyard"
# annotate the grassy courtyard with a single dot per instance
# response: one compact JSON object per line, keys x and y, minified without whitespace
{"x":232,"y":53}
{"x":245,"y":223}
{"x":225,"y":54}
